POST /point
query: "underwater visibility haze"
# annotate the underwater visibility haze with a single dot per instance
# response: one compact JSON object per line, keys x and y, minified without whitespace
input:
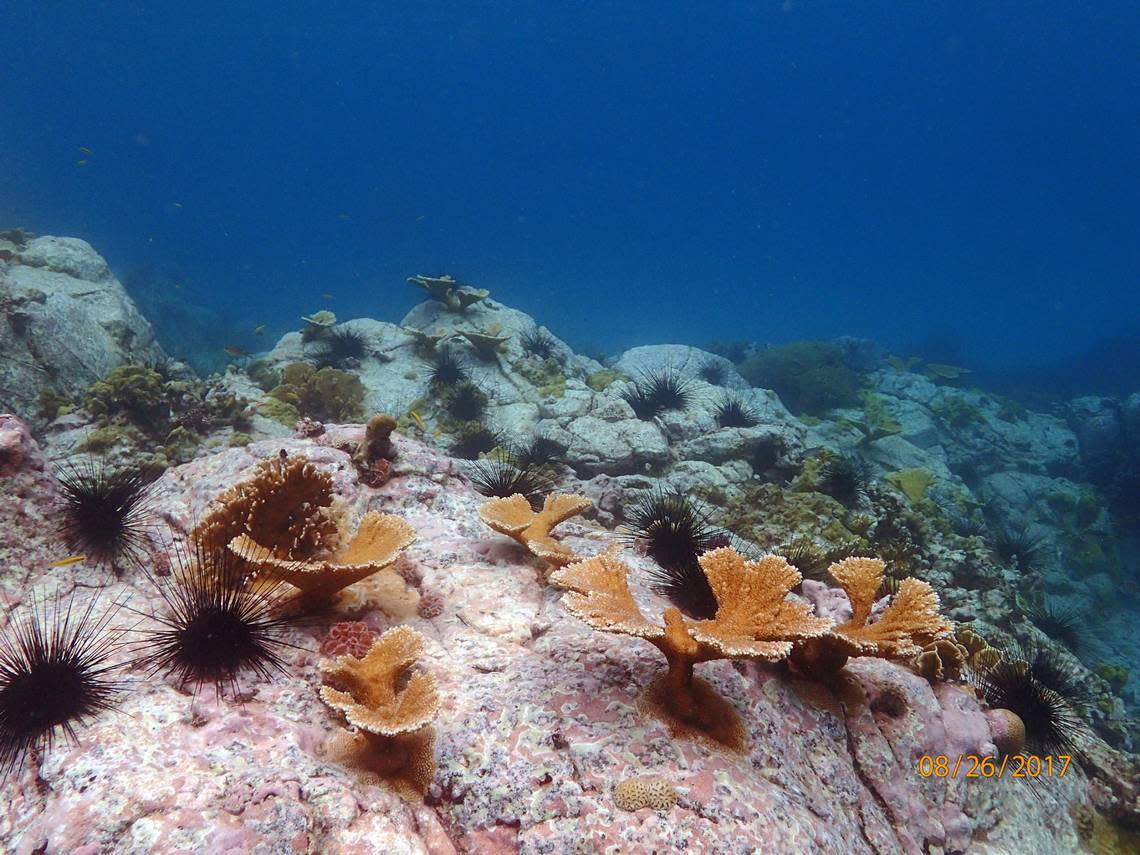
{"x":561,"y":427}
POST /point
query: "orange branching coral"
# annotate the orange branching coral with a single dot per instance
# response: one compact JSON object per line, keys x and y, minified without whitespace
{"x":513,"y":517}
{"x":908,"y":624}
{"x":377,"y":544}
{"x":754,"y":620}
{"x":285,"y":506}
{"x":390,"y":706}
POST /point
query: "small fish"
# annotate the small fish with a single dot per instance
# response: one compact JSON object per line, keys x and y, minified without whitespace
{"x":85,"y":150}
{"x":234,"y":350}
{"x":437,"y":433}
{"x":71,"y":559}
{"x":176,"y":204}
{"x":81,"y":163}
{"x":326,"y":296}
{"x":418,"y":420}
{"x":259,"y":329}
{"x":344,"y":217}
{"x":421,"y":218}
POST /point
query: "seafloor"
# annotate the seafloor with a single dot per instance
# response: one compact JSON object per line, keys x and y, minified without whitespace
{"x":548,"y":726}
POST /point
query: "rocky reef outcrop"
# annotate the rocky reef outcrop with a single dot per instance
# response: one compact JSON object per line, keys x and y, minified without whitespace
{"x":539,"y":725}
{"x":1018,"y":519}
{"x":65,"y":322}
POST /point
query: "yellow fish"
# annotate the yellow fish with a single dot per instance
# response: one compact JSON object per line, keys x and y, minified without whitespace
{"x":85,"y":150}
{"x":259,"y":329}
{"x":71,"y":559}
{"x":419,"y":421}
{"x":81,"y":163}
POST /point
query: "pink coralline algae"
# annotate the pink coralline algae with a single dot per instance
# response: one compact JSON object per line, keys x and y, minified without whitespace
{"x":430,"y":605}
{"x":350,"y":637}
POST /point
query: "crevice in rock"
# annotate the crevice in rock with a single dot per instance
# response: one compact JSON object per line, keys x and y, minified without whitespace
{"x":869,"y":786}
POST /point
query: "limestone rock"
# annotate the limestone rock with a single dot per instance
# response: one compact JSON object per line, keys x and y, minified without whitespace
{"x":66,"y":323}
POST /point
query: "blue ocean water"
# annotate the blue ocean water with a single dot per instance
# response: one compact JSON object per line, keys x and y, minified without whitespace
{"x":954,"y":179}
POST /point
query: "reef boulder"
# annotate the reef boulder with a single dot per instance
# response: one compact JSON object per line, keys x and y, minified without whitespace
{"x":66,"y":322}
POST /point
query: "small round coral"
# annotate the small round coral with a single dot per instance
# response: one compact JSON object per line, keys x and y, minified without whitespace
{"x":637,"y":793}
{"x":1008,"y":730}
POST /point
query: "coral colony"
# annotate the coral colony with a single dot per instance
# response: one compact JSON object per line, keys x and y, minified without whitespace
{"x":451,"y":564}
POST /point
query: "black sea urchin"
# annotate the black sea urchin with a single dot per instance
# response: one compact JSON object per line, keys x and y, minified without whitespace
{"x":1053,"y":721}
{"x":1061,"y":623}
{"x":216,"y":623}
{"x":713,"y":371}
{"x":474,"y":438}
{"x":465,"y":401}
{"x":656,"y":390}
{"x":541,"y":451}
{"x":343,"y":344}
{"x":1019,"y":547}
{"x":105,"y":515}
{"x":845,"y":478}
{"x":502,"y":475}
{"x":538,"y":342}
{"x":54,"y":674}
{"x":445,"y":369}
{"x":675,"y":533}
{"x":734,"y":411}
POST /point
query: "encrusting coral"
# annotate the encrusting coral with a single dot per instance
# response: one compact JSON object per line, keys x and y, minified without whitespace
{"x":390,"y":707}
{"x":754,"y":620}
{"x":636,"y":793}
{"x":514,"y":517}
{"x":909,"y":622}
{"x":980,"y":656}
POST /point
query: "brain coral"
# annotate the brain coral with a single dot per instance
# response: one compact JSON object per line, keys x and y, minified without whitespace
{"x":637,"y":793}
